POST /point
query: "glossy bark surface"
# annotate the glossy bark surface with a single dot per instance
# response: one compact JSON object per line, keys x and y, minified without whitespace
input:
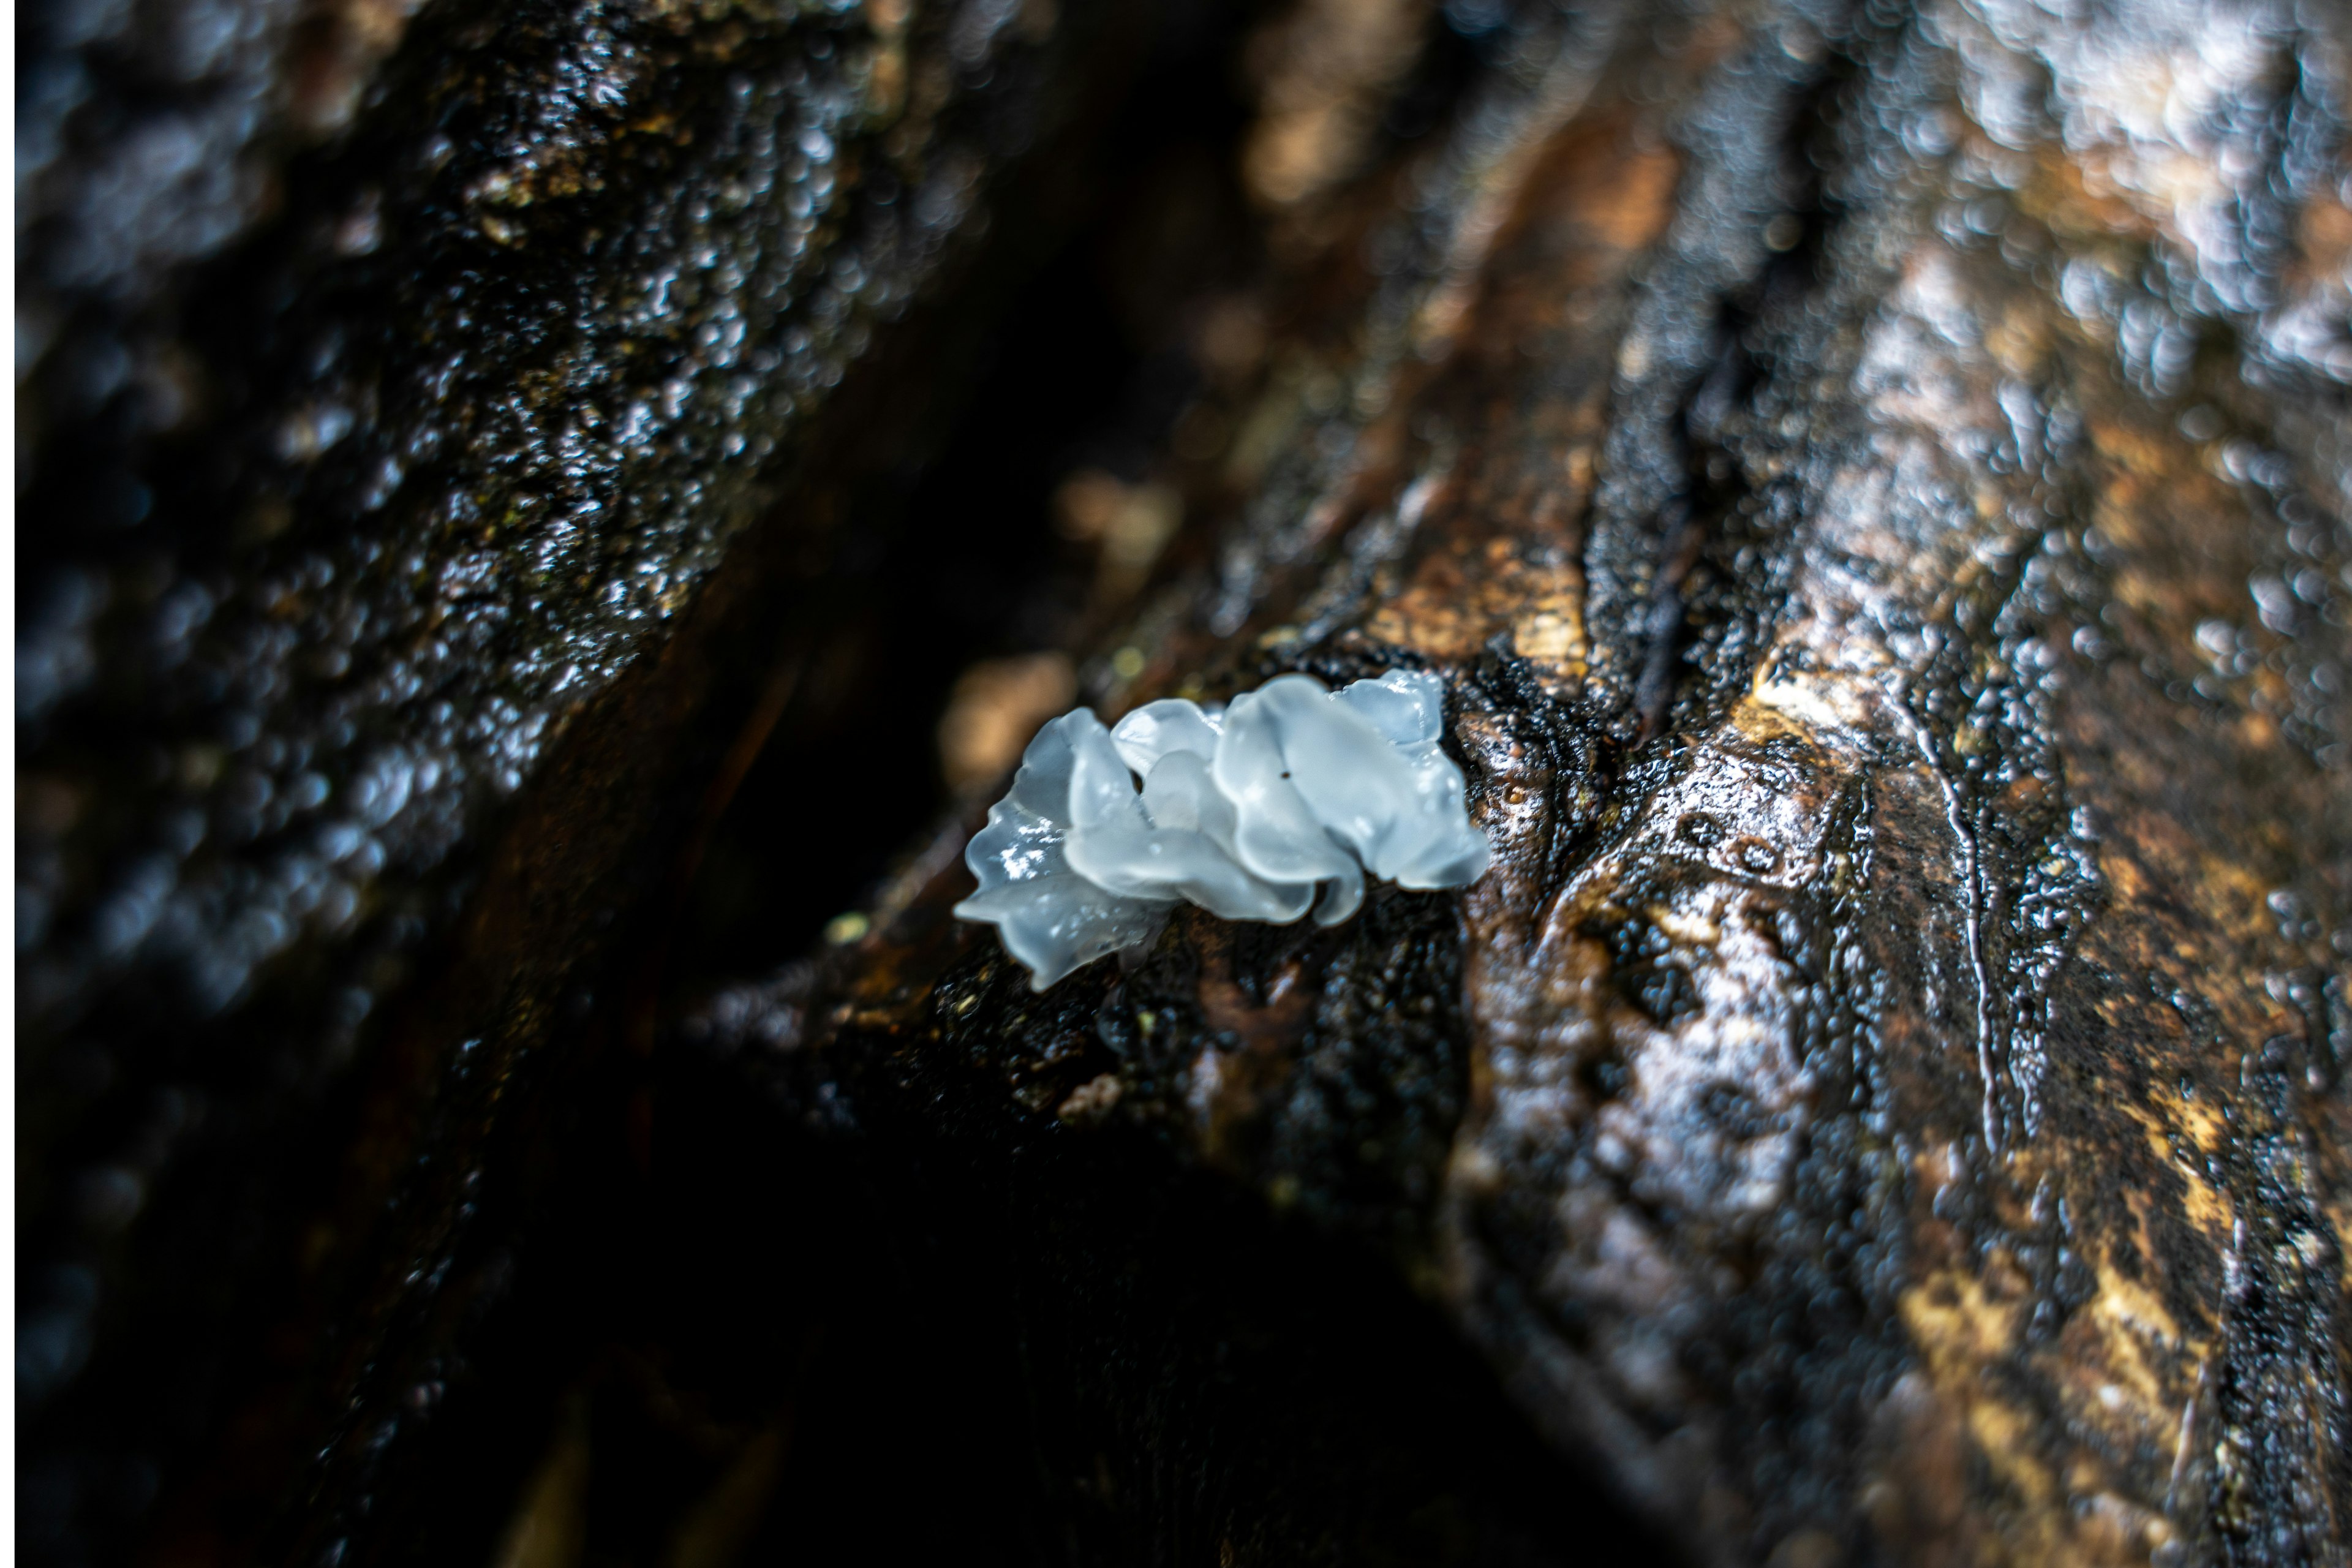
{"x":425,"y":513}
{"x":1873,"y":482}
{"x":1874,"y":490}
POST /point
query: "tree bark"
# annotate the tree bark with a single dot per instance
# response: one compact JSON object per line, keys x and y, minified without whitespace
{"x":430,"y":490}
{"x":1873,"y":480}
{"x":1876,"y":501}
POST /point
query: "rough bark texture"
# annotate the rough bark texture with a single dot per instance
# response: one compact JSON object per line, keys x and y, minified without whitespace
{"x":393,"y":616}
{"x":1874,"y":487}
{"x":1874,"y":481}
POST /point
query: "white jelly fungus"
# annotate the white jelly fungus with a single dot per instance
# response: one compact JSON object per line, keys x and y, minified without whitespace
{"x":1245,"y":811}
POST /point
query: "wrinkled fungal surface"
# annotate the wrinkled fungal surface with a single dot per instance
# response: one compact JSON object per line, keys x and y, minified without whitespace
{"x":1874,"y":484}
{"x":1245,"y":811}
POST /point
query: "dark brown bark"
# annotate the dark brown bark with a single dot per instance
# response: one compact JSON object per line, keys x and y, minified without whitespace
{"x":419,"y":510}
{"x":1874,"y":481}
{"x":1888,"y":569}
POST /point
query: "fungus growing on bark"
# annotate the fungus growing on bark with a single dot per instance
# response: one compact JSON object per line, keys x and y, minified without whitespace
{"x":1248,"y":811}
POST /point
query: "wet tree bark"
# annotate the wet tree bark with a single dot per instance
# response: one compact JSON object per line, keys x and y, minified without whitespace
{"x":452,"y":441}
{"x":1888,"y":1101}
{"x":1874,"y":484}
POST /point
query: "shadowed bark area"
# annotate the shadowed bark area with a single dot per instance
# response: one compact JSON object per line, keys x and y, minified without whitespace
{"x":430,"y":510}
{"x":1873,"y":480}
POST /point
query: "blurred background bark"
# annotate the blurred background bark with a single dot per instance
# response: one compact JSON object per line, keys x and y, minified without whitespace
{"x":542,"y":527}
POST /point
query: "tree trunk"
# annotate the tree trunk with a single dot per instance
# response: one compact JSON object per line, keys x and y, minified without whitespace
{"x":1874,"y":484}
{"x":1876,"y":511}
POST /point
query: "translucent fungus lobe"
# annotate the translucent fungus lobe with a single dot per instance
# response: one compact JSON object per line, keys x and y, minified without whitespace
{"x":1250,"y":811}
